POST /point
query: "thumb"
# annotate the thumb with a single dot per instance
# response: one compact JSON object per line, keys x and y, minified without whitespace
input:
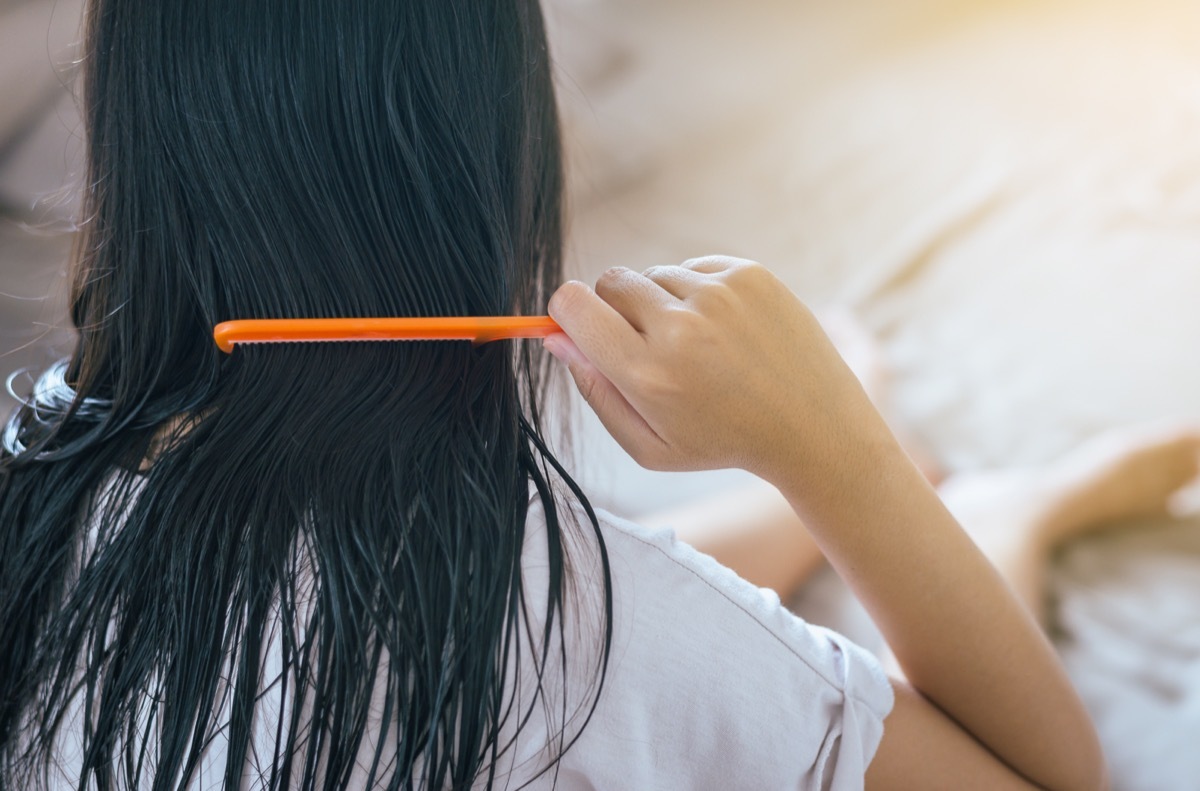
{"x":623,"y":422}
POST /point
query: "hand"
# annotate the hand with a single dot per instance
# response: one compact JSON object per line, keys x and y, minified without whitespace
{"x":707,"y":365}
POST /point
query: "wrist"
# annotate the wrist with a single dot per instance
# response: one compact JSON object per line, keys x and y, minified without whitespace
{"x":834,"y":458}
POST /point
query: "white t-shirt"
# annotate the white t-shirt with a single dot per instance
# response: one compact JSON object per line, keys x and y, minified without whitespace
{"x":711,"y":682}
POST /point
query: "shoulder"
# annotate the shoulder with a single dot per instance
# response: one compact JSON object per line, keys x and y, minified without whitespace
{"x":719,"y":679}
{"x":663,"y":582}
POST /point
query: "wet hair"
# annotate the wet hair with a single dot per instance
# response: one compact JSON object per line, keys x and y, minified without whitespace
{"x":172,"y":517}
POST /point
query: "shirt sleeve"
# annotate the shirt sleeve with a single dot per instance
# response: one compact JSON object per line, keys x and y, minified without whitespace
{"x":712,"y":683}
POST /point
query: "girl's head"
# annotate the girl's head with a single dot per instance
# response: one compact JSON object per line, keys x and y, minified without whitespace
{"x":171,"y":505}
{"x":306,"y":158}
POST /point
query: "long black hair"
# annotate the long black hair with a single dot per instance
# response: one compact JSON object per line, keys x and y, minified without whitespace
{"x":337,"y":527}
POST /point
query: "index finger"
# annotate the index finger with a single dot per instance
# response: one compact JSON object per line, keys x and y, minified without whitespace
{"x":600,"y":332}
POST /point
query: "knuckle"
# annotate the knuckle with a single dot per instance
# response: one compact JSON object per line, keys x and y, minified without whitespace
{"x":740,"y":263}
{"x":742,"y":270}
{"x":610,"y":281}
{"x":611,"y":276}
{"x":655,"y":384}
{"x":699,"y":261}
{"x":640,"y":377}
{"x":749,"y":275}
{"x":717,"y":294}
{"x":684,"y":328}
{"x":675,"y":334}
{"x":587,"y":389}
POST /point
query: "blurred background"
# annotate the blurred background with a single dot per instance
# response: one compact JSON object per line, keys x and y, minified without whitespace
{"x":1006,"y":194}
{"x":40,"y":167}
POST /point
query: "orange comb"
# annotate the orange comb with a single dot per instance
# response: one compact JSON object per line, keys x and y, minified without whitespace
{"x":479,"y":329}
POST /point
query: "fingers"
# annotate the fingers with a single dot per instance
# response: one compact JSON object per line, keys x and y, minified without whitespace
{"x":607,"y":323}
{"x":676,"y":280}
{"x":623,"y":422}
{"x":685,"y":280}
{"x":662,"y":357}
{"x":604,"y":335}
{"x":689,"y":278}
{"x":633,"y":295}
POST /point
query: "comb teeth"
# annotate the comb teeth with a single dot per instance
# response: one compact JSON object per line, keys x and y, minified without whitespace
{"x":340,"y":340}
{"x":478,"y":329}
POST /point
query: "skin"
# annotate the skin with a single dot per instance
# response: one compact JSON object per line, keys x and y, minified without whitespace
{"x":1018,"y":517}
{"x":716,"y":364}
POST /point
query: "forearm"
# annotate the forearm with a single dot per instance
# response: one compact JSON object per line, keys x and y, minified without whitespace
{"x":958,"y":632}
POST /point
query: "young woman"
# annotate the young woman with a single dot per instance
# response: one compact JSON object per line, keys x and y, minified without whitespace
{"x":356,"y":565}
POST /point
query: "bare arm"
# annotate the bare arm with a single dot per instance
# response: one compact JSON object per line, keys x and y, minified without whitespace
{"x":961,"y":637}
{"x":923,"y":748}
{"x":716,"y":364}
